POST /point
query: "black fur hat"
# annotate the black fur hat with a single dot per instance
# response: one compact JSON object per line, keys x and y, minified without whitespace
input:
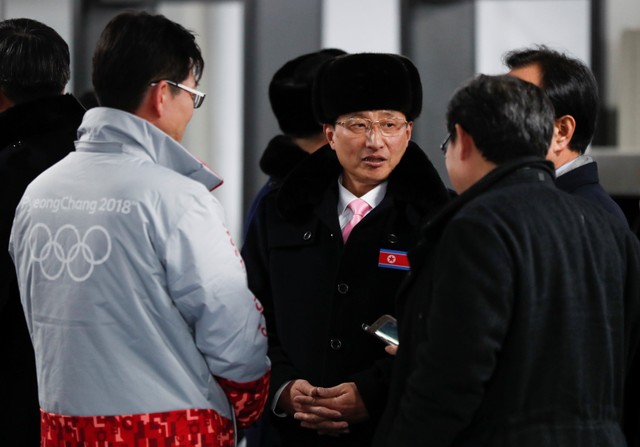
{"x":290,"y":93}
{"x":367,"y":81}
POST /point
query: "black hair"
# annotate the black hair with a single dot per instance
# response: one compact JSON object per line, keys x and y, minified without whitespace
{"x":508,"y":118}
{"x":136,"y":49}
{"x":34,"y":60}
{"x":569,"y":84}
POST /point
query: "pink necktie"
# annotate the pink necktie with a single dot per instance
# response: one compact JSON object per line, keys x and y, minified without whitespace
{"x":359,"y":208}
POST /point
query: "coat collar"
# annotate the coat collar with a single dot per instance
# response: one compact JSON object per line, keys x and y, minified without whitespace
{"x":281,"y":156}
{"x":105,"y":129}
{"x":414,"y":180}
{"x":39,"y":117}
{"x":521,"y":170}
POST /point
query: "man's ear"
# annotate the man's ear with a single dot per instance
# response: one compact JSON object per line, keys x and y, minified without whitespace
{"x":466,"y":143}
{"x":153,"y":102}
{"x":565,"y":126}
{"x":157,"y":100}
{"x":329,"y":131}
{"x":409,"y":130}
{"x":5,"y":102}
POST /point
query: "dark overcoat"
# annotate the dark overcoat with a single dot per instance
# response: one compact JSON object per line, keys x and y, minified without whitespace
{"x":317,"y":291}
{"x":520,"y":322}
{"x":33,"y":136}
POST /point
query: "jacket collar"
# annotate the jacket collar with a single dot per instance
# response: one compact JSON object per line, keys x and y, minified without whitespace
{"x":41,"y":116}
{"x":105,"y":129}
{"x":413,"y":180}
{"x":281,"y":156}
{"x":580,"y":176}
{"x":521,"y":170}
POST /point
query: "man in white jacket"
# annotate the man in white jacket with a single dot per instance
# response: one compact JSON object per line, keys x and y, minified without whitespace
{"x":135,"y":295}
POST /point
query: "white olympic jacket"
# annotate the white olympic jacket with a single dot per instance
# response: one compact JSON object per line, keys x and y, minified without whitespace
{"x":134,"y":292}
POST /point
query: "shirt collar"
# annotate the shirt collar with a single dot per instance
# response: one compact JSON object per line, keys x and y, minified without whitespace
{"x":573,"y":164}
{"x":373,"y":197}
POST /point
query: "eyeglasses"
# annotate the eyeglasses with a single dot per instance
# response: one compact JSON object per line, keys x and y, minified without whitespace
{"x":445,"y":144}
{"x":389,"y":127}
{"x":197,"y":96}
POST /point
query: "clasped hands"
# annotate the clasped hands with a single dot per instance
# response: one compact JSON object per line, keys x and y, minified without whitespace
{"x":329,"y":411}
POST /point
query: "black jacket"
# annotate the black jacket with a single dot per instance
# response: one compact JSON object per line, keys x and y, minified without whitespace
{"x":520,"y":323}
{"x":33,"y":136}
{"x":280,"y":157}
{"x":583,"y":181}
{"x":317,"y":292}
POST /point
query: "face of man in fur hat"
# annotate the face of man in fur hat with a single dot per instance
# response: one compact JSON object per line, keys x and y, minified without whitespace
{"x":369,"y":145}
{"x":367,"y":103}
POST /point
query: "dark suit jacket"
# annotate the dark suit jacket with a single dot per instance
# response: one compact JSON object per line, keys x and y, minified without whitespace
{"x":520,"y":322}
{"x":584,"y":182}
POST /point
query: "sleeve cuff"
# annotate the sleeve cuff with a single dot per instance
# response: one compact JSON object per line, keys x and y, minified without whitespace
{"x":276,"y":398}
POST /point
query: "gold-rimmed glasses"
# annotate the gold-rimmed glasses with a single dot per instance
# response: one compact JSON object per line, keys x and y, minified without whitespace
{"x":389,"y":127}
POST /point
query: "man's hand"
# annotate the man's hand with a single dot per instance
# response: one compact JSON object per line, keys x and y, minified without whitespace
{"x":323,"y":403}
{"x":295,"y":388}
{"x":297,"y":399}
{"x":391,"y":349}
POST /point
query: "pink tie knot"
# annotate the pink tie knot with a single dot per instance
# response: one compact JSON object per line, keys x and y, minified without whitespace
{"x":360,"y":208}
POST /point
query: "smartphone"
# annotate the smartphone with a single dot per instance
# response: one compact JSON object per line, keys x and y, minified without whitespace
{"x":385,"y":328}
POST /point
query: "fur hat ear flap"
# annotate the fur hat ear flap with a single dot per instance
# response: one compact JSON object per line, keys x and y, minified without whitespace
{"x":367,"y":81}
{"x":290,"y":93}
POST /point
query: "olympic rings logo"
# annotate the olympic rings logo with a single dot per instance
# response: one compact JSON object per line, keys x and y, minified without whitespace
{"x":68,"y":250}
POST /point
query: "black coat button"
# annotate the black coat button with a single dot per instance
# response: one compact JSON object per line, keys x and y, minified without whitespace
{"x":392,"y":238}
{"x":343,"y":288}
{"x":307,"y":235}
{"x":336,"y":344}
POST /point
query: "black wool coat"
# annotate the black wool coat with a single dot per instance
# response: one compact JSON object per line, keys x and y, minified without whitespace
{"x":520,"y":323}
{"x":317,"y":291}
{"x":33,"y":136}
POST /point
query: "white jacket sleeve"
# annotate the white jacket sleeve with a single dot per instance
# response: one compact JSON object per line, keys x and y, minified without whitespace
{"x":207,"y":281}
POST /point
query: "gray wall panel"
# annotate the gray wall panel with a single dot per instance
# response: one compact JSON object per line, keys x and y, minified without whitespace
{"x":277,"y":31}
{"x":440,"y":42}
